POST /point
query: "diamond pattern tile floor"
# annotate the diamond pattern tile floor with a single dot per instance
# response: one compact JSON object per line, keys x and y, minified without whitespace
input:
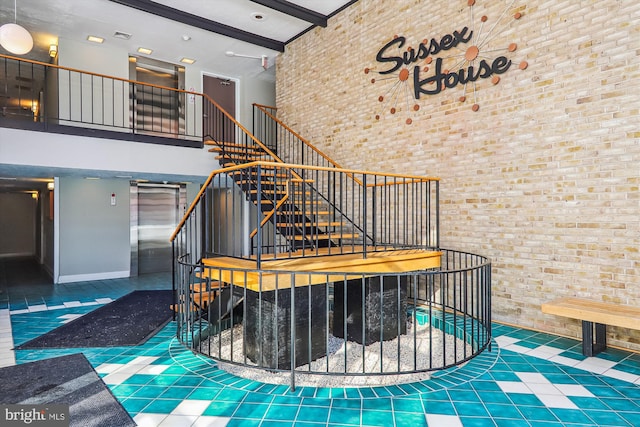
{"x":529,"y":379}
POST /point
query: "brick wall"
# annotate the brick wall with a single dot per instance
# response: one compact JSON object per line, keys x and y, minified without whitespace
{"x":543,"y":179}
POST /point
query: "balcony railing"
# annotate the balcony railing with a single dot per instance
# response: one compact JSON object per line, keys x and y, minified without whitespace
{"x":40,"y":96}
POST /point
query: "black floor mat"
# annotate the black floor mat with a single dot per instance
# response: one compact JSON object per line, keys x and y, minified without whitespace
{"x":66,"y":380}
{"x":128,"y":321}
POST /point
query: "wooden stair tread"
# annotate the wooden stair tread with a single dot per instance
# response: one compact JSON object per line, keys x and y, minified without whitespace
{"x":287,"y":213}
{"x":263,"y":167}
{"x":204,"y":286}
{"x":340,"y":250}
{"x":264,"y":174}
{"x":311,"y":224}
{"x":247,"y":159}
{"x":239,"y":150}
{"x":327,"y":236}
{"x":307,"y":202}
{"x":220,"y":150}
{"x":230,"y":144}
{"x":266,"y":180}
{"x":283,"y":215}
{"x":270,"y":191}
{"x":200,"y":302}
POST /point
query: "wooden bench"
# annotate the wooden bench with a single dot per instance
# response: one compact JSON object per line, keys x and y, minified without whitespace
{"x":595,"y":313}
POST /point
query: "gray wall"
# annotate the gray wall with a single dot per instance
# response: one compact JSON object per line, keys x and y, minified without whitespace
{"x":252,"y":91}
{"x":93,"y":235}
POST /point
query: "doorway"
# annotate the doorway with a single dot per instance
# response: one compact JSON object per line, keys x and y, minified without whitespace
{"x":156,"y":210}
{"x":222,"y":91}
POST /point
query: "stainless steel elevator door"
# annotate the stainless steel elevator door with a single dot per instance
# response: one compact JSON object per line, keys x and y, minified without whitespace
{"x":156,"y":108}
{"x":158,"y":209}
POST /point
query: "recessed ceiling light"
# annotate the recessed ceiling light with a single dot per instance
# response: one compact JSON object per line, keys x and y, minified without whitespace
{"x":145,"y":50}
{"x":186,"y":37}
{"x":187,"y":60}
{"x":95,"y":39}
{"x":257,"y":16}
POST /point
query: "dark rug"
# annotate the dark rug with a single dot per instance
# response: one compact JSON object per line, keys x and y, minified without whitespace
{"x":67,"y":380}
{"x":127,"y":321}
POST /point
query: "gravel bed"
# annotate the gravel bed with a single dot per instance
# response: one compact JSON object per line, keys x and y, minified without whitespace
{"x":361,"y":365}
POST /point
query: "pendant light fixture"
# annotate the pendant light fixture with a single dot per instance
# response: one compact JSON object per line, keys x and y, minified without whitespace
{"x":15,"y":38}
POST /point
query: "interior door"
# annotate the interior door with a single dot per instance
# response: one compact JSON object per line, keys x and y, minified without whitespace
{"x":222,"y":91}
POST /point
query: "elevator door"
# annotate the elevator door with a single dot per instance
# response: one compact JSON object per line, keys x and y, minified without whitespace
{"x":158,"y":208}
{"x":157,"y":108}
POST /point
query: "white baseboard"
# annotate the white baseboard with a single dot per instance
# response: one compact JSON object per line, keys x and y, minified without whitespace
{"x":93,"y":276}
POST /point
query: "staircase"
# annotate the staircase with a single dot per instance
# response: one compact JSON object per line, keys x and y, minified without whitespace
{"x":303,"y":218}
{"x":305,"y":213}
{"x":283,"y":250}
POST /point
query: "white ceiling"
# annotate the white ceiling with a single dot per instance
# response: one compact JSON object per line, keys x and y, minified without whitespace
{"x":51,"y":20}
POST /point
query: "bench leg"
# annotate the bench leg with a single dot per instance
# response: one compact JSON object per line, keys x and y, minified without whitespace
{"x":589,"y":348}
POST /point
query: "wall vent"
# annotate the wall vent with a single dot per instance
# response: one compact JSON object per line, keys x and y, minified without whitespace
{"x":122,"y":35}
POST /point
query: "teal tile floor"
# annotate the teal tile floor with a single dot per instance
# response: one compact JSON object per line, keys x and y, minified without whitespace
{"x":529,"y":379}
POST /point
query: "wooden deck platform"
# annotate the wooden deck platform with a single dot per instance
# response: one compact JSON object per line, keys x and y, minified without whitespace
{"x":324,"y":268}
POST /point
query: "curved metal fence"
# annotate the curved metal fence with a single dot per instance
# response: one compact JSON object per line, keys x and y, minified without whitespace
{"x":348,"y":324}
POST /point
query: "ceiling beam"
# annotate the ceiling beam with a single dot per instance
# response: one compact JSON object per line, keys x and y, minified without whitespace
{"x":202,"y":23}
{"x":296,"y":11}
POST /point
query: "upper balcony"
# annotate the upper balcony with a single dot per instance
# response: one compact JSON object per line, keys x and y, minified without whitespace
{"x":44,"y":97}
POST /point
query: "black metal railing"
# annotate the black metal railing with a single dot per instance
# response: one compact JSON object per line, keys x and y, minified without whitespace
{"x":305,"y":326}
{"x":290,"y":146}
{"x":294,"y":149}
{"x":261,"y":210}
{"x":40,"y":96}
{"x":238,"y":305}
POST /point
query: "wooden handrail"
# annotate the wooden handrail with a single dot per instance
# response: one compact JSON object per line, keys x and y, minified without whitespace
{"x":206,"y":184}
{"x":253,"y":138}
{"x":75,"y":70}
{"x":265,"y":106}
{"x":291,"y":167}
{"x":275,"y":119}
{"x":304,"y":141}
{"x":389,"y":184}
